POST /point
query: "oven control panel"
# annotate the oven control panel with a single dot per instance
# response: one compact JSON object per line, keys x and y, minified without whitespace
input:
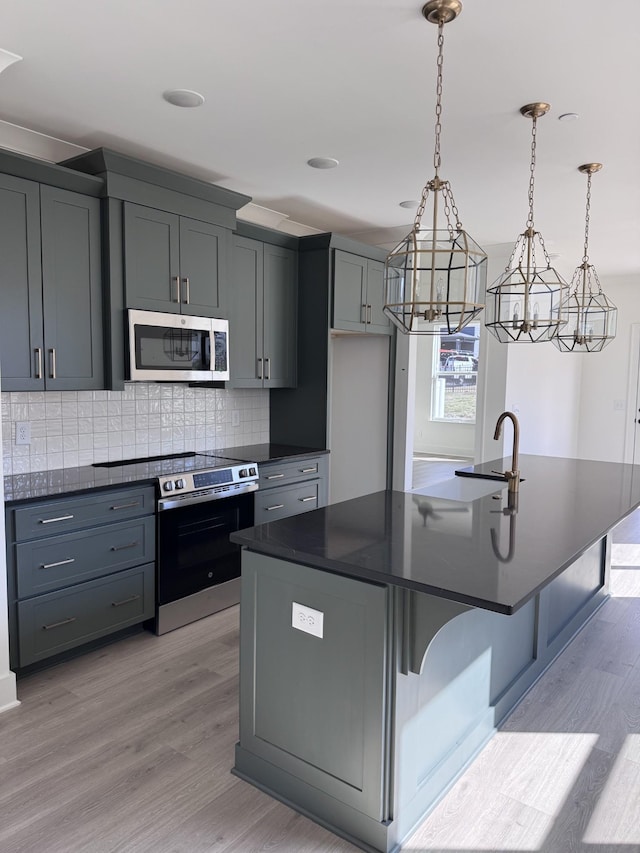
{"x":208,"y":480}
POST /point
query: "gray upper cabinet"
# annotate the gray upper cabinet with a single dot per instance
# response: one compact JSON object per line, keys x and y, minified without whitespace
{"x":173,"y":263}
{"x":51,"y":318}
{"x":72,"y":290}
{"x":263,"y":327}
{"x":358,"y":294}
{"x":21,"y":332}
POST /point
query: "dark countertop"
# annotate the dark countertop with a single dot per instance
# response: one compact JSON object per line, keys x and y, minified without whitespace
{"x":479,"y":552}
{"x":61,"y":481}
{"x":262,"y":453}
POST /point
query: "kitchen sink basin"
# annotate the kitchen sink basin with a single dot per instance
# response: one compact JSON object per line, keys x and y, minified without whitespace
{"x":462,"y":489}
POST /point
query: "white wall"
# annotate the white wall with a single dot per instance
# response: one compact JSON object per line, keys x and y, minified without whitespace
{"x":605,"y":378}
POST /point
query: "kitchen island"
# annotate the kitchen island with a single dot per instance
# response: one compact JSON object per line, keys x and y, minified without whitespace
{"x":384,"y":639}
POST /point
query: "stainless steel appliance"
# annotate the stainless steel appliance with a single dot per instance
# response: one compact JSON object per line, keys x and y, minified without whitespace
{"x":202,"y":498}
{"x":176,"y":347}
{"x":198,"y":568}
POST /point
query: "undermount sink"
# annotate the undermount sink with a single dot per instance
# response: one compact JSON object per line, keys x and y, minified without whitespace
{"x":462,"y":489}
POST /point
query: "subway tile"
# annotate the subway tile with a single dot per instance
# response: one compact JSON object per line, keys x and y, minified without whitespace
{"x":69,"y":426}
{"x":100,"y":409}
{"x":69,"y":409}
{"x":54,"y":444}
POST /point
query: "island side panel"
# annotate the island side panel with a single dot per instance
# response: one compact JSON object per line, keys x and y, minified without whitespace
{"x":314,"y":709}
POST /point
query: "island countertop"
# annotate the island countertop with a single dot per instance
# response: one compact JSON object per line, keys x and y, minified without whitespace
{"x":480,"y":552}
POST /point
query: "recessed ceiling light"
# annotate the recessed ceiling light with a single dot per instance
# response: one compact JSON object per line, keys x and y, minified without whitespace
{"x":409,"y":204}
{"x":568,"y":117}
{"x":323,"y":162}
{"x":183,"y":98}
{"x":7,"y":58}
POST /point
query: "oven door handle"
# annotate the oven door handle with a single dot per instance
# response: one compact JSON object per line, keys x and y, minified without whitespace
{"x":189,"y":500}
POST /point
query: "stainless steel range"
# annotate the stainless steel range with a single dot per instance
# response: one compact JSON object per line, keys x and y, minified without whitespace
{"x":199,"y":505}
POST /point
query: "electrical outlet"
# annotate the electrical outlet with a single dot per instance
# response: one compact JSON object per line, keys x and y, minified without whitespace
{"x":618,"y":405}
{"x":23,"y":432}
{"x":307,"y":619}
{"x":235,"y":418}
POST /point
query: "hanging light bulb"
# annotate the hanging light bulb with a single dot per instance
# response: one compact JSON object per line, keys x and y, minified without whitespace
{"x":592,"y":316}
{"x":538,"y":287}
{"x":436,"y":275}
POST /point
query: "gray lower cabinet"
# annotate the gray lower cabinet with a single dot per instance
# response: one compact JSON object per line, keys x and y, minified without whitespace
{"x":290,"y":488}
{"x":358,"y":294}
{"x":263,"y":322}
{"x":51,"y":319}
{"x":79,"y":568}
{"x":173,"y":263}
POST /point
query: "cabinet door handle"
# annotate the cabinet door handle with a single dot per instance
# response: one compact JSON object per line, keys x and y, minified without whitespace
{"x":275,"y":506}
{"x":175,"y":279}
{"x":125,"y":506}
{"x":51,"y":520}
{"x":125,"y":601}
{"x":59,"y":624}
{"x":38,"y":354}
{"x":311,"y":498}
{"x":259,"y":368}
{"x":52,"y":363}
{"x":267,"y":368}
{"x":123,"y":547}
{"x":186,"y":289}
{"x":274,"y":476}
{"x":308,"y":470}
{"x":369,"y":314}
{"x":363,"y":313}
{"x":59,"y":563}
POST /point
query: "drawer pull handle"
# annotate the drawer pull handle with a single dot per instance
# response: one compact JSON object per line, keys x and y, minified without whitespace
{"x":124,"y":547}
{"x":274,"y":476}
{"x":308,"y":470}
{"x":125,"y":506}
{"x":51,"y":520}
{"x":275,"y":506}
{"x":125,"y":601}
{"x":59,"y":563}
{"x":59,"y":624}
{"x":312,"y":498}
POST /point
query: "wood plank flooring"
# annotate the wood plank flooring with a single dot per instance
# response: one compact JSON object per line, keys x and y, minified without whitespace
{"x":128,"y":750}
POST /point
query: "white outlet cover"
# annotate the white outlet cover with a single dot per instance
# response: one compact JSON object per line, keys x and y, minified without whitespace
{"x":307,"y":619}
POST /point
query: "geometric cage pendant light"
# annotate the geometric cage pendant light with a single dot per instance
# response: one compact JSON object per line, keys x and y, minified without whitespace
{"x":592,"y":316}
{"x":526,"y":304}
{"x":435,"y":278}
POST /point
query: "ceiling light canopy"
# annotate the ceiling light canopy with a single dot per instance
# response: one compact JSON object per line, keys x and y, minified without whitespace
{"x":526,"y":303}
{"x":434,"y":277}
{"x":183,"y":98}
{"x":592,"y":318}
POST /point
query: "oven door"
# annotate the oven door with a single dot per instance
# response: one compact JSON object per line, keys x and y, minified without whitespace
{"x":194,"y":551}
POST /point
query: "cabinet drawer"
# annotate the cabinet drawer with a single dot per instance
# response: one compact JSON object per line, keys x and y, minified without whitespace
{"x":52,"y":517}
{"x":279,"y":473}
{"x":43,"y":565}
{"x":273,"y":504}
{"x":58,"y":621}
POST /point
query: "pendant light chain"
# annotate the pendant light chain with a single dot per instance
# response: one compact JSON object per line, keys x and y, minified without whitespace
{"x":532,"y":170}
{"x":585,"y":257}
{"x":438,"y":129}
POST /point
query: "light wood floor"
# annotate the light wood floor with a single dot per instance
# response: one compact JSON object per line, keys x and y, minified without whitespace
{"x":129,"y":749}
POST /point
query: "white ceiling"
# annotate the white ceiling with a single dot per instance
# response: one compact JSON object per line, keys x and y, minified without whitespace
{"x":286,"y":80}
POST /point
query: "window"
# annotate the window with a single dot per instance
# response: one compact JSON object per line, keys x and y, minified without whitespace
{"x":455,"y":375}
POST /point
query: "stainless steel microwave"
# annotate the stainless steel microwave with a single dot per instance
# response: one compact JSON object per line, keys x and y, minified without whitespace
{"x":177,"y":348}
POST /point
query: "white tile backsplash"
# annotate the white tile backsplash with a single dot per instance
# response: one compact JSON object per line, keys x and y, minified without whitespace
{"x":72,"y":428}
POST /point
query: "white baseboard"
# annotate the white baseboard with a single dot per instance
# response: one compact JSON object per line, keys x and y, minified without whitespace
{"x":8,"y":694}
